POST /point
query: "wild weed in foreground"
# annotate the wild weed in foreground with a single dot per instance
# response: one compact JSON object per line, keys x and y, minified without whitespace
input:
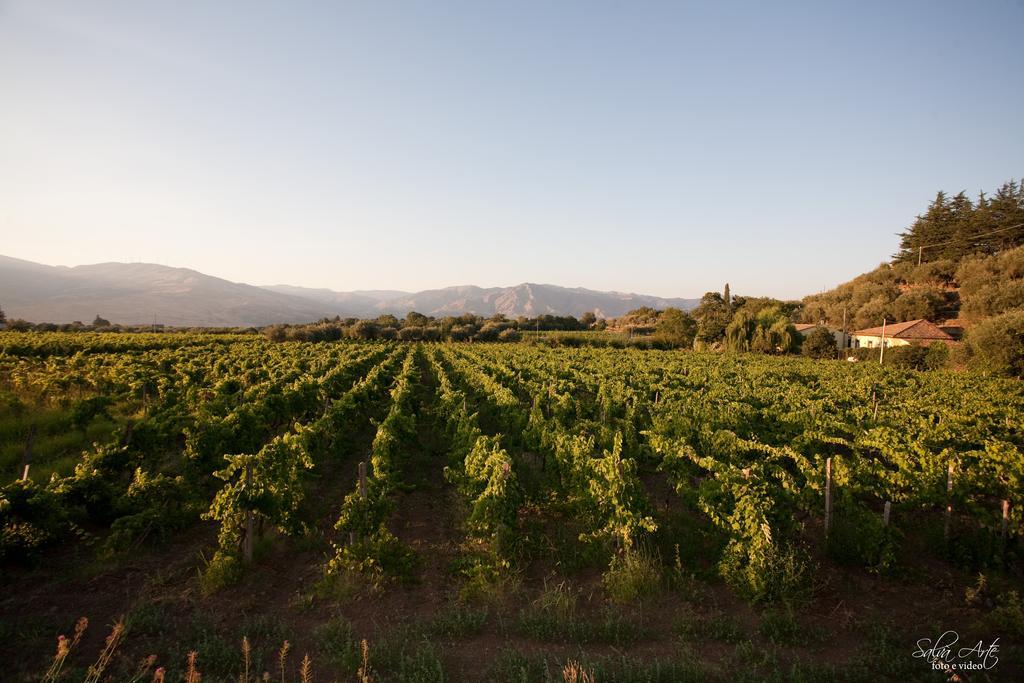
{"x":413,"y":665}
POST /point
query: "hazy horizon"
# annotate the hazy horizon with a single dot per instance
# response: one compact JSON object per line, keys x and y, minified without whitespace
{"x":662,"y":149}
{"x":358,"y":289}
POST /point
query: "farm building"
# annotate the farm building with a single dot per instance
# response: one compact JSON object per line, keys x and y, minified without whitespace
{"x":954,"y":328}
{"x":919,"y":332}
{"x":842,"y":339}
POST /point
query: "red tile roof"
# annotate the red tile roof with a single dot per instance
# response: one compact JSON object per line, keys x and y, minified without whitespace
{"x":912,"y":329}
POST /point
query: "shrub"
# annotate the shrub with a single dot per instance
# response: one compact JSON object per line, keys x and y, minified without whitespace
{"x":766,"y":572}
{"x":819,"y":344}
{"x":509,"y":335}
{"x":937,"y":356}
{"x":633,"y":575}
{"x":1009,"y":615}
{"x":31,"y":517}
{"x":860,"y":537}
{"x":996,"y":346}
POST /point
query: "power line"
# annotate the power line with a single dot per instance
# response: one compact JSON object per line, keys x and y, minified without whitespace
{"x":940,"y":244}
{"x":922,"y":247}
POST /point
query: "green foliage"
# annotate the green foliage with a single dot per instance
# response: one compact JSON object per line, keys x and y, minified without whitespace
{"x":819,"y":344}
{"x":859,"y":537}
{"x":954,"y":227}
{"x":712,"y":317}
{"x":991,"y":286}
{"x":1008,"y":616}
{"x":555,"y":617}
{"x":267,"y":483}
{"x":31,"y":517}
{"x":767,"y":330}
{"x":153,"y":507}
{"x":715,"y":625}
{"x":89,"y":409}
{"x":676,"y":328}
{"x":633,"y":575}
{"x":996,"y":346}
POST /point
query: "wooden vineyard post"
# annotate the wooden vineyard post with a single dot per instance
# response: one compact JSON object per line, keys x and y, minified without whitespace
{"x":828,"y":496}
{"x":247,"y":548}
{"x":886,"y":512}
{"x":874,"y":405}
{"x":1006,"y":520}
{"x":949,"y":501}
{"x":28,"y":452}
{"x":362,"y":494}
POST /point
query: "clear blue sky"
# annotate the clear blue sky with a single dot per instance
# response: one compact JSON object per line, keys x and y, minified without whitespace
{"x":662,"y":148}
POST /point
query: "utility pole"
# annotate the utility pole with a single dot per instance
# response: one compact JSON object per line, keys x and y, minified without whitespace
{"x":881,"y":349}
{"x":919,"y":248}
{"x":842,"y":344}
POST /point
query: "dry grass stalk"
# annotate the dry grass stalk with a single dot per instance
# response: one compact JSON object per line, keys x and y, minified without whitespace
{"x":306,"y":672}
{"x":573,"y":672}
{"x":192,"y":675}
{"x":282,"y":659}
{"x":246,"y":659}
{"x":100,"y":665}
{"x":364,"y":668}
{"x":158,"y":675}
{"x":144,"y":666}
{"x":64,"y":648}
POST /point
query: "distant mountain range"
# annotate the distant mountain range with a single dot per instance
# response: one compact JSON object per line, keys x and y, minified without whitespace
{"x":146,"y":293}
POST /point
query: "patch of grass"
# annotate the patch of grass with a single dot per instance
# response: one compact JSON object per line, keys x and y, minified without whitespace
{"x":340,"y":585}
{"x":403,"y":658}
{"x":457,"y":621}
{"x":513,"y":666}
{"x":221,"y":570}
{"x":217,"y":655}
{"x":753,"y":656}
{"x":768,"y":573}
{"x":338,"y":644}
{"x":266,"y":633}
{"x":689,"y":539}
{"x":633,"y":576}
{"x":717,"y":626}
{"x":571,"y":555}
{"x":554,"y":617}
{"x":486,"y":580}
{"x":148,"y":620}
{"x":780,"y":626}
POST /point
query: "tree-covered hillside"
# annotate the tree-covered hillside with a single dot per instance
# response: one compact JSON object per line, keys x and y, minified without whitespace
{"x":960,"y":259}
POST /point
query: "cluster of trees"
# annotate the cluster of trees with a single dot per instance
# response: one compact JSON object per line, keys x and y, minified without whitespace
{"x":418,"y":327}
{"x":953,"y":228}
{"x":720,"y":322}
{"x":100,"y":324}
{"x":737,"y":323}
